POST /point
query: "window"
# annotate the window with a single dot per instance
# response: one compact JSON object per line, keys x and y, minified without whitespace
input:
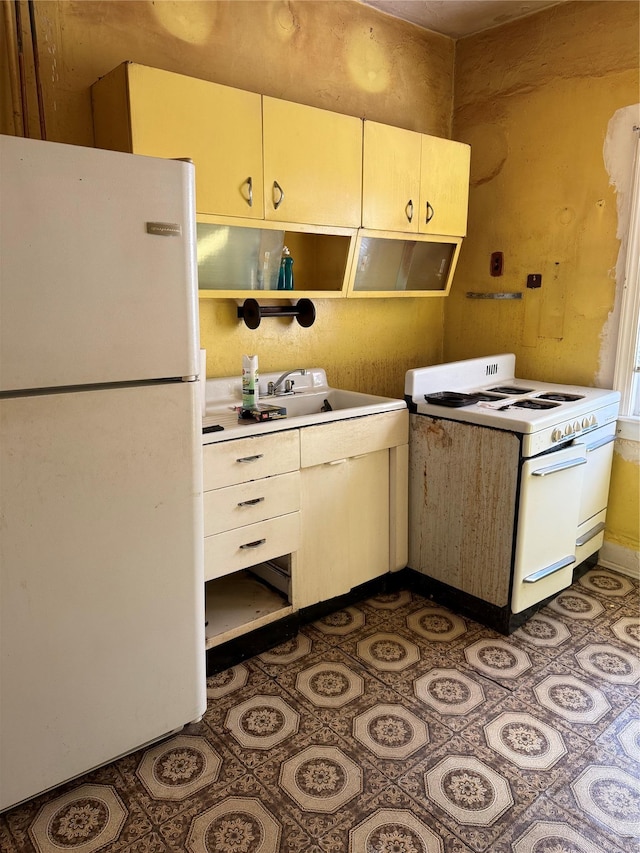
{"x":627,"y":372}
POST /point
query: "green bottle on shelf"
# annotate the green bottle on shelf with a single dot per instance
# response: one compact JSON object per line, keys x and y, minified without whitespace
{"x":285,"y":276}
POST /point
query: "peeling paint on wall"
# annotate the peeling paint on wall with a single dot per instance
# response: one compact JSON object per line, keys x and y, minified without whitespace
{"x":618,"y":154}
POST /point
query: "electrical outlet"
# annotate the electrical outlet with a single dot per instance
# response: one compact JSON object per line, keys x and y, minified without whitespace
{"x":534,"y":280}
{"x":495,"y":267}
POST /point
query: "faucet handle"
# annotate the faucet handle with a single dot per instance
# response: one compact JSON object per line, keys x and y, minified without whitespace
{"x":271,"y":388}
{"x":288,"y":385}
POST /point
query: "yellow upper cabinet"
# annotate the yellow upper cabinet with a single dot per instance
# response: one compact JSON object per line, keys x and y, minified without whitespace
{"x":390,"y":178}
{"x":312,"y":164}
{"x":444,"y":187}
{"x":414,"y":183}
{"x":161,"y":114}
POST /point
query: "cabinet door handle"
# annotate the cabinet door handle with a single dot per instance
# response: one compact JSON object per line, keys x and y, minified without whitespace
{"x":409,"y":210}
{"x":255,"y":544}
{"x":336,"y":462}
{"x":276,"y":186}
{"x":430,"y":212}
{"x":249,"y":183}
{"x":250,"y":458}
{"x":252,"y":502}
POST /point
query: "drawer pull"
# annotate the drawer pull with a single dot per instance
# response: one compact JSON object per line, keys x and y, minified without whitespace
{"x":590,"y":534}
{"x":255,"y":544}
{"x":336,"y":462}
{"x":250,"y":458}
{"x":252,"y":502}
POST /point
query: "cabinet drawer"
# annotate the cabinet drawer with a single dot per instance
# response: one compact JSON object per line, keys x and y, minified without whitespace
{"x":246,"y":503}
{"x":343,"y":439}
{"x":247,"y":546}
{"x":246,"y":459}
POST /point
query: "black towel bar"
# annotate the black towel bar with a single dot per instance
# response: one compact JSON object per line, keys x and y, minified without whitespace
{"x":252,"y":313}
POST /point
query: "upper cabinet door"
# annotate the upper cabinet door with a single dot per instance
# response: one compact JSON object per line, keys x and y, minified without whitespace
{"x":170,"y":115}
{"x":444,"y":189}
{"x":312,"y":164}
{"x":391,"y":178}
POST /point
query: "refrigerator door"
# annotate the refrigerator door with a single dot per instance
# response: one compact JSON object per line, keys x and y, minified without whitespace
{"x":90,"y":292}
{"x":101,"y":578}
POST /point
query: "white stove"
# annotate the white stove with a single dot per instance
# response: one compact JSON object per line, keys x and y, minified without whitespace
{"x":508,"y":484}
{"x":485,"y":391}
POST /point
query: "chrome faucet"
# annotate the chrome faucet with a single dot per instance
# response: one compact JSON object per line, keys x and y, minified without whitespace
{"x":272,"y":387}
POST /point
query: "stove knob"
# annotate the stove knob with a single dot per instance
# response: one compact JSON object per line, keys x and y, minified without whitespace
{"x":568,"y":430}
{"x":593,"y":421}
{"x":576,"y":426}
{"x":556,"y":435}
{"x":585,"y":423}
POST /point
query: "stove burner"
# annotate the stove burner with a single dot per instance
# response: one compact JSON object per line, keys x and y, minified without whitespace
{"x":453,"y":399}
{"x":510,"y":389}
{"x":534,"y":403}
{"x":560,"y":397}
{"x":481,"y":395}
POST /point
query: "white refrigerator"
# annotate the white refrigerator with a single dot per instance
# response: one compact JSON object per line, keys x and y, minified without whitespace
{"x":101,"y":566}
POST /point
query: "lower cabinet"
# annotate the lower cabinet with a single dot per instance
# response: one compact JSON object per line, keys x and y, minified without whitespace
{"x":300,"y":516}
{"x":345,"y":513}
{"x":352,"y":505}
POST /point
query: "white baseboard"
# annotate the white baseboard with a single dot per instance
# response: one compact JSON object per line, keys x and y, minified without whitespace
{"x":623,"y":560}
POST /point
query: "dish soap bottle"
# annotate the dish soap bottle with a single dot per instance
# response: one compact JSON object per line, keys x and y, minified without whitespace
{"x":285,"y":277}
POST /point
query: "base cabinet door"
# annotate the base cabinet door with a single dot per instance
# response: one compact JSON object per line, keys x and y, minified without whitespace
{"x":319,"y":570}
{"x":345,"y":526}
{"x":368,"y":516}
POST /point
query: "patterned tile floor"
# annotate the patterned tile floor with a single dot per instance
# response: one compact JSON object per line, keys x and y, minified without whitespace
{"x":394,"y":726}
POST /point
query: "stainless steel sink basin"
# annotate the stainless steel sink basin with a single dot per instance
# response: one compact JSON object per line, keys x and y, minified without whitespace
{"x":305,"y":405}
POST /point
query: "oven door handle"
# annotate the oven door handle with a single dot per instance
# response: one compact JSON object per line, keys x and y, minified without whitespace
{"x":590,"y":534}
{"x":608,"y":439}
{"x":549,"y":570}
{"x":559,"y":466}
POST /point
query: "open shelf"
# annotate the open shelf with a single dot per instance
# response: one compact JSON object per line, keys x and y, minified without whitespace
{"x":241,"y":602}
{"x":237,"y":259}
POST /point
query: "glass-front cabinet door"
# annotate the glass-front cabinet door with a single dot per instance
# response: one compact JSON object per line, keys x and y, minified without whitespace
{"x":388,"y":264}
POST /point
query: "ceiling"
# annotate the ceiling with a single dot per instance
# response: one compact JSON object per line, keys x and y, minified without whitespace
{"x":456,"y":18}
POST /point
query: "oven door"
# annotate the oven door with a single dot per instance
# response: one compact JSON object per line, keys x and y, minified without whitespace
{"x":550,"y":495}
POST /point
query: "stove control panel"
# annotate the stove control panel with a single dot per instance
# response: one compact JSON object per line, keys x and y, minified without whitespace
{"x":566,"y":431}
{"x":570,"y":430}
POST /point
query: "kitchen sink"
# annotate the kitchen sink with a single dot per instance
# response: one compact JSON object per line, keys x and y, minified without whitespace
{"x":311,"y":401}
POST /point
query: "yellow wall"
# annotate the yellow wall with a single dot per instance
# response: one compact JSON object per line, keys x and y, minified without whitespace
{"x":624,"y":505}
{"x":534,"y":99}
{"x":332,"y":54}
